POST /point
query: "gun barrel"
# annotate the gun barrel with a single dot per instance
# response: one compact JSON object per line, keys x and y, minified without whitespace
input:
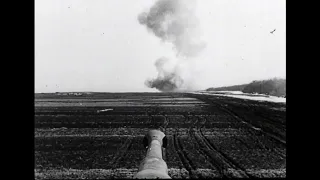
{"x":153,"y":165}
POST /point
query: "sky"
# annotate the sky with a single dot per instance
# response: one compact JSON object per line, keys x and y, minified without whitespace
{"x":99,"y":45}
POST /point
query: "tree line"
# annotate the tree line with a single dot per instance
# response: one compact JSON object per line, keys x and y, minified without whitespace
{"x":274,"y":87}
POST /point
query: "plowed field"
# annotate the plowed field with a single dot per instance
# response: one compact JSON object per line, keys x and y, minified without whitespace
{"x":99,"y":135}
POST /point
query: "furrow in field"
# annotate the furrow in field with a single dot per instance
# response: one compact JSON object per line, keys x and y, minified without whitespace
{"x":238,"y":117}
{"x":181,"y":155}
{"x":122,"y":152}
{"x":126,"y":173}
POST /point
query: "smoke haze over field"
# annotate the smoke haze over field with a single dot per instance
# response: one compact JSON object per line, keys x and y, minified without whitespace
{"x":173,"y":21}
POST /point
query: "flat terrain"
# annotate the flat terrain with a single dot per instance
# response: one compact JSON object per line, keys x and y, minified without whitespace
{"x":99,"y":135}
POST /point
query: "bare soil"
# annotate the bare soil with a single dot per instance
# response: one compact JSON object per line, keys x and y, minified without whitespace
{"x":208,"y":136}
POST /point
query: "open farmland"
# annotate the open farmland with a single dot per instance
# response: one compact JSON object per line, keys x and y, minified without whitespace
{"x":208,"y":136}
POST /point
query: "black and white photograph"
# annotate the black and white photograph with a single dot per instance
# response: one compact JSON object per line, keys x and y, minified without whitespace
{"x":159,"y":89}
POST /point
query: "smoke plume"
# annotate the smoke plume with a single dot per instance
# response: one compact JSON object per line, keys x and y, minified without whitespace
{"x":173,"y":21}
{"x":166,"y":80}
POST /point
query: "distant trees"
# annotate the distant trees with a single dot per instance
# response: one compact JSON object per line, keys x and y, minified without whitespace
{"x":229,"y":88}
{"x":274,"y":87}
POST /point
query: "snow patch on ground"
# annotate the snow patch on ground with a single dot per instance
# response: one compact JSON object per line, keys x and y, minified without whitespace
{"x":103,"y":110}
{"x":241,"y":95}
{"x":225,"y":92}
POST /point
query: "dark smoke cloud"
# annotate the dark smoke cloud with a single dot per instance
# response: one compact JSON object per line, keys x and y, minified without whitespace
{"x":173,"y":21}
{"x":166,"y":80}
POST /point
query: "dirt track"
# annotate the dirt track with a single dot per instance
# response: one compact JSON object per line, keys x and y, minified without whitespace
{"x":208,"y":136}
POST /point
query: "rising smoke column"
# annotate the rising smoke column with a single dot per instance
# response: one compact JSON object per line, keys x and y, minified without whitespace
{"x":166,"y":80}
{"x":173,"y":21}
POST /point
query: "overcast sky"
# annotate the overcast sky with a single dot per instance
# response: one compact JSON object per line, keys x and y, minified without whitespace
{"x":99,"y":45}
